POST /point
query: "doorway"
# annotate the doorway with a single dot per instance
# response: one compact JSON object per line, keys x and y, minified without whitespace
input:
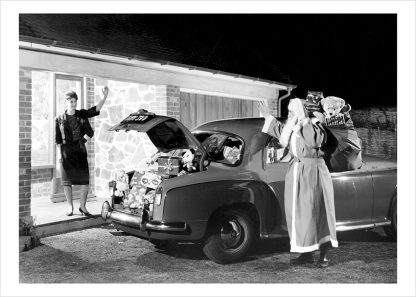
{"x":62,"y":84}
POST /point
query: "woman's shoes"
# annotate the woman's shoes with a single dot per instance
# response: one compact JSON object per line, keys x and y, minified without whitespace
{"x":85,"y":213}
{"x":69,"y":211}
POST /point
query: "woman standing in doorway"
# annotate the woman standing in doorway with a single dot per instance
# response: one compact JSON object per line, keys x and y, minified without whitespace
{"x":309,"y":193}
{"x":70,"y":130}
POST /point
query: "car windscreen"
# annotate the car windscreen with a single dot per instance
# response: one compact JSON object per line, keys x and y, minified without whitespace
{"x":221,"y":147}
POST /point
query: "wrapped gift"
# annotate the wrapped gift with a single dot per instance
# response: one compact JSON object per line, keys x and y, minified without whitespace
{"x":136,"y":197}
{"x":150,"y":180}
{"x":168,"y":165}
{"x":231,"y":154}
{"x":136,"y":178}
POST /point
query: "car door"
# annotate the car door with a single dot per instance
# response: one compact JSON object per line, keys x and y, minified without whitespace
{"x":276,"y":164}
{"x":353,"y":195}
{"x":353,"y":190}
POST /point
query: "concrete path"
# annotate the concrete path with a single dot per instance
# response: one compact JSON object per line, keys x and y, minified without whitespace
{"x":50,"y":218}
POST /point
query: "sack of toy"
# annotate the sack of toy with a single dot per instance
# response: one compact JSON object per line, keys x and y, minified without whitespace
{"x":343,"y":147}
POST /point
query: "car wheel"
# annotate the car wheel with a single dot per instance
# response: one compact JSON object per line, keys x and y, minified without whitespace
{"x":392,"y":229}
{"x":231,"y":237}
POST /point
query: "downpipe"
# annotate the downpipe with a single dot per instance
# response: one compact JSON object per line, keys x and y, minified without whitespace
{"x":108,"y":213}
{"x":279,"y":100}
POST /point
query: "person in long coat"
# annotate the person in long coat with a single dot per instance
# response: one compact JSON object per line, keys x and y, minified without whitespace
{"x":309,"y":194}
{"x":71,"y":127}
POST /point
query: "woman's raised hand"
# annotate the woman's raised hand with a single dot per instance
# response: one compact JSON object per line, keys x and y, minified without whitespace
{"x":105,"y":91}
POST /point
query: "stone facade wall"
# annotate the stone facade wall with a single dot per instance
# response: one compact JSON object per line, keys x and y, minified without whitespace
{"x":377,"y":128}
{"x":25,"y":142}
{"x":124,"y":150}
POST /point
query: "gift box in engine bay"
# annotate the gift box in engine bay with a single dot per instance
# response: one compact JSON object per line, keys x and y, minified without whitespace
{"x":168,"y":166}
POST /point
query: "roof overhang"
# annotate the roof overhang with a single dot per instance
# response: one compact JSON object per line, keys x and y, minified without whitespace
{"x":94,"y":62}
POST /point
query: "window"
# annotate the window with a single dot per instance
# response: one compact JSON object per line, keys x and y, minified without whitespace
{"x":48,"y":100}
{"x":63,"y":84}
{"x":222,"y":148}
{"x":42,"y":133}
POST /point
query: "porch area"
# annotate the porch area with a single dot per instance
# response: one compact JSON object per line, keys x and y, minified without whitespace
{"x":50,"y":218}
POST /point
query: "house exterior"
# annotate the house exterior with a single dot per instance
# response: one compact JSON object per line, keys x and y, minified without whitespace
{"x":173,"y":76}
{"x":190,"y":94}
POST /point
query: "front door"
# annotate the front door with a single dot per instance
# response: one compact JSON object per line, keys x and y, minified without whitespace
{"x":63,"y":84}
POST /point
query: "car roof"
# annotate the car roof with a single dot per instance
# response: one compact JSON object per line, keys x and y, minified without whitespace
{"x":243,"y":127}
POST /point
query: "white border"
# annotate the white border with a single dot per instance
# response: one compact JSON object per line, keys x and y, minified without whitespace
{"x":9,"y":152}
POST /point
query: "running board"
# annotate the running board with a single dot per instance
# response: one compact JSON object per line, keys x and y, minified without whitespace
{"x":364,"y":226}
{"x":339,"y":229}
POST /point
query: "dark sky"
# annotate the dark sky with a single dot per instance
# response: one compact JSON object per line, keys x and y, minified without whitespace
{"x":349,"y":56}
{"x":352,"y":56}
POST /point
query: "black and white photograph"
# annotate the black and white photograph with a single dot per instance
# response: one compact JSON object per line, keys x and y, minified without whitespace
{"x":233,"y":148}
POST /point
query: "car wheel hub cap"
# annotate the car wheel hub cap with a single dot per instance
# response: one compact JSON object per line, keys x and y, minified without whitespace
{"x":231,"y":234}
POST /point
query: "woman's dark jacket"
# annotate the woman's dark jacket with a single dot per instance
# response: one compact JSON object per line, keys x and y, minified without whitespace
{"x":82,"y":116}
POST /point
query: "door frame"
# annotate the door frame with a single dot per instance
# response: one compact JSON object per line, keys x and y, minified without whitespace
{"x":55,"y":195}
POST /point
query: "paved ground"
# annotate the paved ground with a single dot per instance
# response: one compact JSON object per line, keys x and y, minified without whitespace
{"x":104,"y":255}
{"x":44,"y":211}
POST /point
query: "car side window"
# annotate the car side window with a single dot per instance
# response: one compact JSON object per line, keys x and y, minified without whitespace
{"x":275,"y":153}
{"x":231,"y":151}
{"x":222,"y":148}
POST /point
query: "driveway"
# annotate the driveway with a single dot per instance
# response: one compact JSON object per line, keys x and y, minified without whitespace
{"x":104,"y":255}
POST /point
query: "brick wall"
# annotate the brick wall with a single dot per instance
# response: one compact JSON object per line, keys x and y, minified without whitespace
{"x":273,"y":107}
{"x":173,"y":102}
{"x":91,"y":100}
{"x":25,"y":136}
{"x":41,"y":185}
{"x":377,"y":128}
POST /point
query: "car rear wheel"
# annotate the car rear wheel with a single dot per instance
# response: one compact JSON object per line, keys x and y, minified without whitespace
{"x":231,"y":237}
{"x":392,"y":229}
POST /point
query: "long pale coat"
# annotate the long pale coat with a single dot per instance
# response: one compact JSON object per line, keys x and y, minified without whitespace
{"x":309,"y":193}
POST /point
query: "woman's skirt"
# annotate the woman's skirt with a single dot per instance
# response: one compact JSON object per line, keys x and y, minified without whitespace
{"x":74,"y":164}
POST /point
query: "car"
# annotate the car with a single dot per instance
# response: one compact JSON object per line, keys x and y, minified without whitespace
{"x":236,"y":194}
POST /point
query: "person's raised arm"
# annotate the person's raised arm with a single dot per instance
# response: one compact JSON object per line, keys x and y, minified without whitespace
{"x":102,"y":101}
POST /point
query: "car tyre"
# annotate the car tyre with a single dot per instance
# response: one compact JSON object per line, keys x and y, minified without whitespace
{"x":231,"y":237}
{"x":391,"y":230}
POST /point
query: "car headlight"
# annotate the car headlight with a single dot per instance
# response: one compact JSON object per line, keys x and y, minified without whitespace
{"x":111,"y":187}
{"x":158,"y":196}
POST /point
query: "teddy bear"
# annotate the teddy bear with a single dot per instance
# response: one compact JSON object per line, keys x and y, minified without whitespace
{"x":122,"y":182}
{"x":336,"y":112}
{"x":187,"y":163}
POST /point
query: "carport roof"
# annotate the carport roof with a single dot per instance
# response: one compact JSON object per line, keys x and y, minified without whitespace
{"x":165,"y":38}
